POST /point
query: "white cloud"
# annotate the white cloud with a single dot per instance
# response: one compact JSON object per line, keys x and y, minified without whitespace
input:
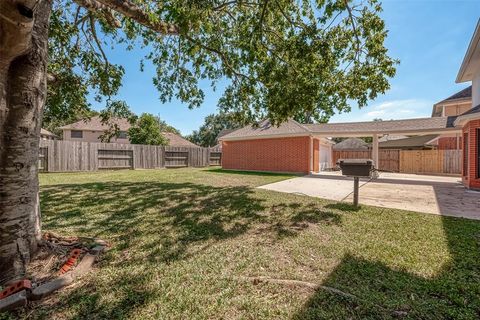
{"x":398,"y":109}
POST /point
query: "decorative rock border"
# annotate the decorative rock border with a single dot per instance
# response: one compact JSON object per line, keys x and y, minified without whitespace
{"x":21,"y":298}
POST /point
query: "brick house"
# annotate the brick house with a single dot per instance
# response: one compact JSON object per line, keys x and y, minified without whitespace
{"x":301,"y":148}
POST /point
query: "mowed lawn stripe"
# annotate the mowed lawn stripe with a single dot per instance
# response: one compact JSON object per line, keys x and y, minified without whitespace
{"x":181,"y":238}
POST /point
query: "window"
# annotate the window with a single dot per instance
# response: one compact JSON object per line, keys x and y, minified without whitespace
{"x":76,"y":134}
{"x":465,"y":154}
{"x":122,"y":135}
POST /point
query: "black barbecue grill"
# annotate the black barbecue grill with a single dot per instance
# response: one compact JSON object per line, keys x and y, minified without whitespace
{"x":356,"y":168}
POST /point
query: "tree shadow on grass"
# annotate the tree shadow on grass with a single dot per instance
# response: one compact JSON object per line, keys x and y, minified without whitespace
{"x":253,"y":173}
{"x":387,"y":293}
{"x":155,"y":224}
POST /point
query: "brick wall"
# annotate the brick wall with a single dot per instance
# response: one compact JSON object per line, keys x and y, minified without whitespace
{"x":449,"y":143}
{"x":471,"y":180}
{"x":278,"y":154}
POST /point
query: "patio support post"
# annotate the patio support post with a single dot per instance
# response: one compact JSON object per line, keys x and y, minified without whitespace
{"x":375,"y":150}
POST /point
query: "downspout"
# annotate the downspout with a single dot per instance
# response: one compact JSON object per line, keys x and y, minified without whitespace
{"x":311,"y":155}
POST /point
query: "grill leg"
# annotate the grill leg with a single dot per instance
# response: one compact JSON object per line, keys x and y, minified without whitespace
{"x":355,"y":191}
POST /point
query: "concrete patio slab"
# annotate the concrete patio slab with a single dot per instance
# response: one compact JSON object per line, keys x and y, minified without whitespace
{"x":430,"y":194}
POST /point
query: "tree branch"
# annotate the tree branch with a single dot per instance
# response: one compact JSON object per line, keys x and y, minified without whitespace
{"x":220,"y":54}
{"x":135,"y":13}
{"x":354,"y":28}
{"x":95,"y":37}
{"x":105,"y":11}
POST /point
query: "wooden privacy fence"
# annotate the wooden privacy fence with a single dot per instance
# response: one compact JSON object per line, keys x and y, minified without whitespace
{"x":431,"y":161}
{"x":410,"y":161}
{"x":65,"y":156}
{"x":389,"y":159}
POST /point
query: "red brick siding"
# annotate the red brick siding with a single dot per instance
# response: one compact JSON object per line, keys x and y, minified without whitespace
{"x":449,"y":143}
{"x":471,"y":180}
{"x":278,"y":154}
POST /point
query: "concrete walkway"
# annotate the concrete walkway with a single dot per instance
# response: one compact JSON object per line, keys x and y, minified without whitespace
{"x":421,"y":193}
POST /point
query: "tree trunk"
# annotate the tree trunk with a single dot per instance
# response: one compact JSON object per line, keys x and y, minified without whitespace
{"x":23,"y":90}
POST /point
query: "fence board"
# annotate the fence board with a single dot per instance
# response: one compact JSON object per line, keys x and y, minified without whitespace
{"x":64,"y":156}
{"x":388,"y":159}
{"x":410,"y":161}
{"x":422,"y":161}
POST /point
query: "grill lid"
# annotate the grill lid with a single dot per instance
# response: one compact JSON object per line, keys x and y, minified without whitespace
{"x":367,"y":162}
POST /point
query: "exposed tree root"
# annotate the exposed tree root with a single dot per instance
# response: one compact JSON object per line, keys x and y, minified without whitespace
{"x":298,"y":283}
{"x":305,"y":284}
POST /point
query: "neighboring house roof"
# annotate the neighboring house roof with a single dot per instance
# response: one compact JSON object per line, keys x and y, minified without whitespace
{"x":411,"y":142}
{"x":460,"y":96}
{"x":351,"y":144}
{"x":389,"y":137}
{"x":95,"y":124}
{"x":177,"y":141}
{"x":44,"y":132}
{"x":352,"y":129}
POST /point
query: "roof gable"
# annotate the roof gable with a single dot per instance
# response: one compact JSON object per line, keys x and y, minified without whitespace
{"x":265,"y":129}
{"x":174,"y":140}
{"x":351,"y":144}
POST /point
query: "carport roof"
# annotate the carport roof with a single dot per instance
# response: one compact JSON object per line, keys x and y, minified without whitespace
{"x":407,"y":126}
{"x":354,"y":129}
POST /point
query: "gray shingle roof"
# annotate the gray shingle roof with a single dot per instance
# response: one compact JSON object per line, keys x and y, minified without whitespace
{"x":462,"y":94}
{"x":265,"y":128}
{"x":224,"y":132}
{"x":415,"y":141}
{"x":390,"y":126}
{"x":351,"y":144}
{"x":293,"y":128}
{"x":175,"y":140}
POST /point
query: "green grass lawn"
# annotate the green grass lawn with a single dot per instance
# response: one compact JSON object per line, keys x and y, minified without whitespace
{"x":180,"y":238}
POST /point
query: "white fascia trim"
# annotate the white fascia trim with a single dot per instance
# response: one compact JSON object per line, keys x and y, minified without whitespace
{"x":468,"y":55}
{"x":395,"y":132}
{"x":461,"y":120}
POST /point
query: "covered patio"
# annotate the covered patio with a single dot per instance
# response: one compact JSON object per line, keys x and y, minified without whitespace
{"x":377,"y":129}
{"x":430,"y":194}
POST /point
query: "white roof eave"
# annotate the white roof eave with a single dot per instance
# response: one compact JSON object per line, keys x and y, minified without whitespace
{"x":473,"y":50}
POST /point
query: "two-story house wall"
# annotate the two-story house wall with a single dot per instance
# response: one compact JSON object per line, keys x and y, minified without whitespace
{"x":455,"y":105}
{"x":91,"y":130}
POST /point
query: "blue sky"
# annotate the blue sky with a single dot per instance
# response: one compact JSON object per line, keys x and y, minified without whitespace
{"x":429,"y":37}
